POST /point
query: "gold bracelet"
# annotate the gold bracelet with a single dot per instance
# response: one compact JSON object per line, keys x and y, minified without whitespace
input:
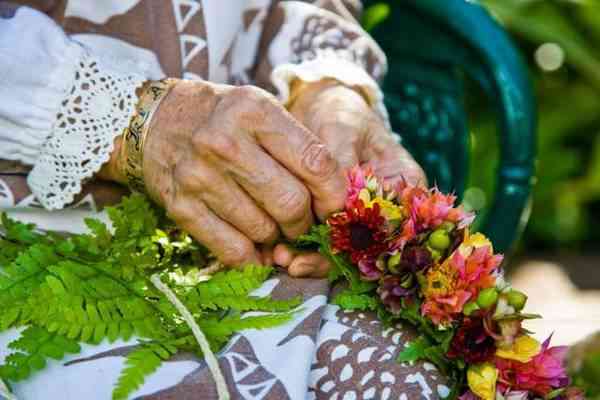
{"x":134,"y":136}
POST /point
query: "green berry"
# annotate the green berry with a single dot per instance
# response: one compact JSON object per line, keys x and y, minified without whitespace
{"x":393,"y":262}
{"x":487,"y":297}
{"x":435,"y":254}
{"x":516,"y":299}
{"x":439,"y":240}
{"x":470,"y":308}
{"x":448,"y":226}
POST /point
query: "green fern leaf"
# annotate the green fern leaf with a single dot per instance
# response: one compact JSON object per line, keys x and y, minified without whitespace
{"x":238,"y":282}
{"x":20,"y":278}
{"x":34,"y":346}
{"x":250,"y":303}
{"x":348,"y":300}
{"x":139,"y":364}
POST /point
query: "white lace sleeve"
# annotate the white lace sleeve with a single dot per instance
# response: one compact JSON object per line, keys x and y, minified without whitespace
{"x":60,"y":106}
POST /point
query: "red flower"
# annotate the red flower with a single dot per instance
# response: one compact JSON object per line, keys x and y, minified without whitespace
{"x":359,"y":231}
{"x":472,"y":343}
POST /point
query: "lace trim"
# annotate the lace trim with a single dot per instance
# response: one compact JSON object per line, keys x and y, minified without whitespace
{"x":331,"y":66}
{"x":94,"y":111}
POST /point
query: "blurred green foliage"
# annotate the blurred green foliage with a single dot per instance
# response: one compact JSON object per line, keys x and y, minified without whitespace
{"x":566,"y":75}
{"x":560,"y":40}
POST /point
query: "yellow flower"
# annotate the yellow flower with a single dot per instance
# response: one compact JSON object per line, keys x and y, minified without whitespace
{"x":482,"y":380}
{"x":389,"y":210}
{"x":523,"y":349}
{"x":365,"y":196}
{"x":474,"y":241}
{"x":441,"y":281}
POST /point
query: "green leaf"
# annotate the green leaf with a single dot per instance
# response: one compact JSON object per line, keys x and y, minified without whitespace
{"x":375,"y":15}
{"x":415,"y":350}
{"x":349,"y":300}
{"x":139,"y":364}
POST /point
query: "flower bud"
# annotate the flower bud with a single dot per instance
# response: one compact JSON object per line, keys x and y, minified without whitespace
{"x":516,"y":299}
{"x":372,"y":184}
{"x":439,"y":240}
{"x":407,"y":281}
{"x":487,"y":297}
{"x":470,"y":308}
{"x":393,"y":262}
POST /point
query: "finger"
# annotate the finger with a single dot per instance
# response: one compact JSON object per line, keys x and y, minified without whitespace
{"x":343,"y":142}
{"x":229,"y":245}
{"x":309,"y":265}
{"x":391,"y":160}
{"x":306,"y":156}
{"x":266,"y":252}
{"x":283,"y":255}
{"x":232,"y":204}
{"x":276,"y":190}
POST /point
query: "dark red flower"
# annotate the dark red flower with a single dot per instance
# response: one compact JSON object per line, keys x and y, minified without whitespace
{"x":359,"y":231}
{"x":393,"y":289}
{"x":472,"y":343}
{"x":415,"y":259}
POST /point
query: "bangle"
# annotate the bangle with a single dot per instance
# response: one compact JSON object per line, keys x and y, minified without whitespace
{"x":134,"y":136}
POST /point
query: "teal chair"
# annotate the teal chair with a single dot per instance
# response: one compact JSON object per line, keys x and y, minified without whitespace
{"x":431,"y":46}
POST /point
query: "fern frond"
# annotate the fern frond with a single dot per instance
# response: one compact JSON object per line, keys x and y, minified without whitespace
{"x":348,"y":300}
{"x":20,"y":278}
{"x":220,"y":330}
{"x":250,"y":303}
{"x":238,"y":282}
{"x":139,"y":364}
{"x":34,"y":346}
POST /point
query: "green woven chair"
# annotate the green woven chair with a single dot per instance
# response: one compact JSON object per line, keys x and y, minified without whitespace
{"x":431,"y":46}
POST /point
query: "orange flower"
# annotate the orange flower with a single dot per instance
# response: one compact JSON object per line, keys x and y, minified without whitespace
{"x":459,"y":279}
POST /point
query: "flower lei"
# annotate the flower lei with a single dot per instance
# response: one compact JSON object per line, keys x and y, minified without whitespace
{"x":407,"y":253}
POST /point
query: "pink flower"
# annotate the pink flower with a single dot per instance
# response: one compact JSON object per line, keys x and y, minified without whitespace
{"x":468,"y":395}
{"x":460,"y":278}
{"x":428,"y":209}
{"x":543,"y":374}
{"x":357,"y":180}
{"x":369,"y":271}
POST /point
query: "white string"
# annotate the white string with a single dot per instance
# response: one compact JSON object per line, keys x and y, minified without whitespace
{"x":5,"y":393}
{"x":212,"y":268}
{"x":209,"y":356}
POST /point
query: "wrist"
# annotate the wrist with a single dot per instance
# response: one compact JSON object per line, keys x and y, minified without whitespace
{"x":327,"y":97}
{"x":112,"y":170}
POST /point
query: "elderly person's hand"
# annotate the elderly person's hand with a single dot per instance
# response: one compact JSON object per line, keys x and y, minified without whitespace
{"x":355,"y":134}
{"x":233,"y":168}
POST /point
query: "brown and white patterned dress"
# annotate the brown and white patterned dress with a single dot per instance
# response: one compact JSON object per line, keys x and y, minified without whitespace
{"x":68,"y":73}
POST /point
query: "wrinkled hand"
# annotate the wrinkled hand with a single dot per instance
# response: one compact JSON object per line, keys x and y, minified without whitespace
{"x":233,"y":168}
{"x":354,"y":134}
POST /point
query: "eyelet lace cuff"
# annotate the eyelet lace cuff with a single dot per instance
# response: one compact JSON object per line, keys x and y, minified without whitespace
{"x":333,"y":67}
{"x":96,"y":108}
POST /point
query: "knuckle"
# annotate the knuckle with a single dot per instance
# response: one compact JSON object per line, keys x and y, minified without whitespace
{"x":295,"y":205}
{"x":318,"y":160}
{"x":237,"y":253}
{"x":263,"y":231}
{"x":222,"y":145}
{"x":201,"y":142}
{"x":185,"y":177}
